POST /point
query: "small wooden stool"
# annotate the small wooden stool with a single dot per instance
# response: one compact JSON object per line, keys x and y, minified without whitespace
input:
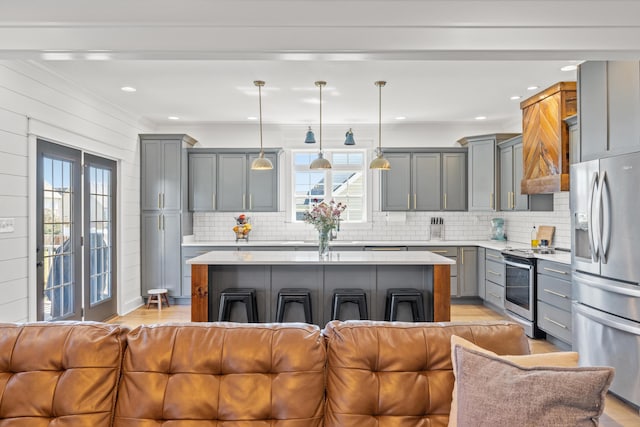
{"x":157,"y":295}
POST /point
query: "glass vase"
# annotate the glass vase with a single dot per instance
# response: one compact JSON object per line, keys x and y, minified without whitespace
{"x":323,"y":244}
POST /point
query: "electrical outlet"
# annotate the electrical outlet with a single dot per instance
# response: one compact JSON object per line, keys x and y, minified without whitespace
{"x":7,"y":225}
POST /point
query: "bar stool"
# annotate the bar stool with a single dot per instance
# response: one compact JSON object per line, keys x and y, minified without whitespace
{"x":247,"y":296}
{"x":157,"y":296}
{"x":413,"y":296}
{"x":297,"y":295}
{"x":352,"y":295}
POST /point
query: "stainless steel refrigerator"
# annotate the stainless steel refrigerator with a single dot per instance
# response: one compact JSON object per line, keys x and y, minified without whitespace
{"x":605,"y":209}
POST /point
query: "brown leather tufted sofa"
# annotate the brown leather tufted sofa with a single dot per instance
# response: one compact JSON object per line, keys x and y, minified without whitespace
{"x":357,"y":373}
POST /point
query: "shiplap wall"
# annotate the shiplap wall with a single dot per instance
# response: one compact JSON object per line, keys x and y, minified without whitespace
{"x":35,"y":103}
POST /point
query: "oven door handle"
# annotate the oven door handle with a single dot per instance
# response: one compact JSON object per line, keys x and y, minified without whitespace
{"x":518,"y":265}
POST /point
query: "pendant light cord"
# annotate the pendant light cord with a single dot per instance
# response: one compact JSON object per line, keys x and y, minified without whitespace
{"x":379,"y":118}
{"x":260,"y":103}
{"x":320,"y":85}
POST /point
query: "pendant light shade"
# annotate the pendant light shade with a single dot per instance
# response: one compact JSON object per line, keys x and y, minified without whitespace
{"x":320,"y":162}
{"x":261,"y":163}
{"x":380,"y":162}
{"x":349,"y":138}
{"x":310,"y":138}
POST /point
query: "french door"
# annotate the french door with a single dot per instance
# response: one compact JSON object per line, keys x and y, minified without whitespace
{"x":75,"y":235}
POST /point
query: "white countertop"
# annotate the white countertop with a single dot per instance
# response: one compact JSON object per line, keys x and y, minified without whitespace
{"x":560,"y":256}
{"x":311,"y":257}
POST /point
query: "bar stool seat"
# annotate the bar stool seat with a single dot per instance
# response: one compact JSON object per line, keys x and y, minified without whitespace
{"x":413,"y":296}
{"x":353,"y":295}
{"x":297,"y":295}
{"x":247,"y":296}
{"x":157,"y":296}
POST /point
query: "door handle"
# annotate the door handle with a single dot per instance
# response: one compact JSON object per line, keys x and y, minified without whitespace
{"x":606,"y":217}
{"x":598,"y":218}
{"x":594,"y":246}
{"x":39,"y":264}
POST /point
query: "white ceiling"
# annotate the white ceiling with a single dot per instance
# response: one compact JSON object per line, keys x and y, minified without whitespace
{"x":196,"y":59}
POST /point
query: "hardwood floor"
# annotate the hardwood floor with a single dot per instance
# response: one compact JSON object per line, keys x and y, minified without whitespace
{"x":616,"y":414}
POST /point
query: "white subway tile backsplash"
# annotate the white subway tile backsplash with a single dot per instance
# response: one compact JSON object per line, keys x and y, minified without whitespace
{"x":212,"y":226}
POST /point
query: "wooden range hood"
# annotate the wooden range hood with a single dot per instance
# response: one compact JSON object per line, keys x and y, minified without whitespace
{"x":545,"y":139}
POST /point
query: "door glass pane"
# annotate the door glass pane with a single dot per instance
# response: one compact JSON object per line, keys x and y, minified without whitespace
{"x":58,"y":193}
{"x":100,"y":235}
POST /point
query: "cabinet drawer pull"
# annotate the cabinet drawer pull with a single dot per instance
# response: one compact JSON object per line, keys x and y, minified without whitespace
{"x":415,"y":201}
{"x":494,"y":273}
{"x":462,"y":253}
{"x":159,"y":200}
{"x":164,"y":204}
{"x":445,"y":201}
{"x":558,"y":294}
{"x":553,"y":270}
{"x":213,"y":201}
{"x":439,"y":252}
{"x":250,"y":201}
{"x":555,"y":323}
{"x":491,"y":201}
{"x":244,"y":199}
{"x":495,"y":295}
{"x":160,"y":222}
{"x":408,"y":201}
{"x":494,"y":256}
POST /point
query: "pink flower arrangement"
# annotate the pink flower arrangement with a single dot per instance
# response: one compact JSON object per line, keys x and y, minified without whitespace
{"x":324,"y":216}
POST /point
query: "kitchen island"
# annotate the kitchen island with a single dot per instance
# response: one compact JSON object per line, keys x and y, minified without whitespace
{"x":270,"y":271}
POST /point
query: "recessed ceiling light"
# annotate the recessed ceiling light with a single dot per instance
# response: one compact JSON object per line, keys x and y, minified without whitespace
{"x":533,"y":87}
{"x":401,"y":118}
{"x":173,"y":118}
{"x":569,"y":68}
{"x":252,"y":118}
{"x":128,"y":89}
{"x":481,"y":118}
{"x":515,"y":97}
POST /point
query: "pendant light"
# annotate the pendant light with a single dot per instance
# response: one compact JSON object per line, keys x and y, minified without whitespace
{"x":261,"y":163}
{"x":380,"y":162}
{"x":310,"y":138}
{"x":348,"y":140}
{"x":320,"y":162}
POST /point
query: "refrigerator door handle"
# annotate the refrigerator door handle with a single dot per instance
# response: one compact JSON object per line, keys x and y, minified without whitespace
{"x":607,"y":319}
{"x":592,"y":190}
{"x":606,"y":216}
{"x":598,"y":216}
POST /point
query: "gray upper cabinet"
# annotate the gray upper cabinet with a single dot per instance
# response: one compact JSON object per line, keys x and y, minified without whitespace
{"x":160,"y":187}
{"x":222,"y":180}
{"x":511,"y":173}
{"x":609,"y":107}
{"x":232,"y":182}
{"x":425,"y":180}
{"x":454,"y":181}
{"x":396,"y":183}
{"x":263,"y":186}
{"x":574,"y":139}
{"x":506,"y":178}
{"x":482,"y":174}
{"x":202,"y":181}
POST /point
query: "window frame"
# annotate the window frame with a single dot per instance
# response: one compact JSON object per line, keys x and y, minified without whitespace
{"x":328,"y":154}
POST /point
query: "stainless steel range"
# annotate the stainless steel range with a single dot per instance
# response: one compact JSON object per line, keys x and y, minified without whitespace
{"x":520,"y":289}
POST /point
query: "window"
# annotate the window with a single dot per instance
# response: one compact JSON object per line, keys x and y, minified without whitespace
{"x":345,"y":182}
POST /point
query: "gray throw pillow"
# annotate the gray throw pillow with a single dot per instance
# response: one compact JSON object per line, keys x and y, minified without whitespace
{"x":494,"y":392}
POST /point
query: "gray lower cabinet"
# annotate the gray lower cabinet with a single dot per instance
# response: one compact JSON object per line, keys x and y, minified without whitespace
{"x":425,"y":180}
{"x":480,"y":274}
{"x":161,"y":252}
{"x":608,"y":108}
{"x":202,"y":182}
{"x":494,"y":279}
{"x":554,"y":299}
{"x":222,"y":180}
{"x":467,"y":271}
